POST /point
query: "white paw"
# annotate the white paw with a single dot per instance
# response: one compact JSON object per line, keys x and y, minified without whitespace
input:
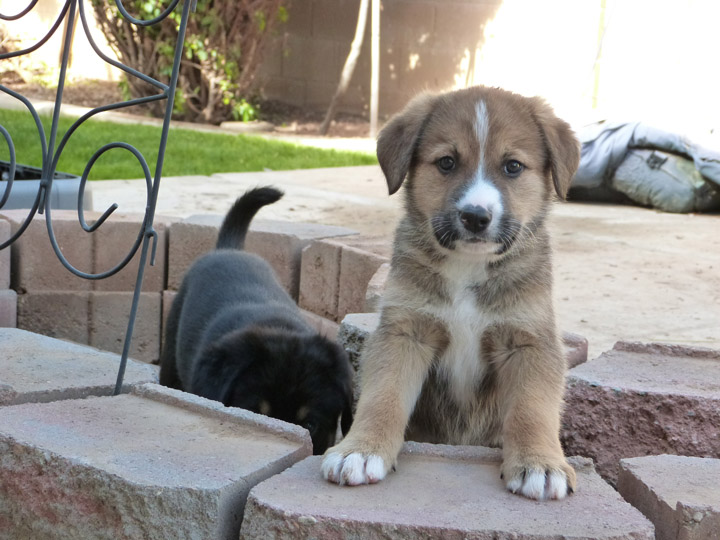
{"x":353,"y":469}
{"x":537,"y":484}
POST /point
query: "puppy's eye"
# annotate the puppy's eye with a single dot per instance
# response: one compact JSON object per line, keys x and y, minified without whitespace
{"x":445,"y":164}
{"x":513,"y":168}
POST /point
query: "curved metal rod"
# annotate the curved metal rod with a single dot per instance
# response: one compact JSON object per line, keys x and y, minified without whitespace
{"x":150,"y":212}
{"x":44,"y":150}
{"x":139,"y":22}
{"x":11,"y":176}
{"x":36,"y":117}
{"x":113,"y":207}
{"x":48,"y":218}
{"x":44,"y":39}
{"x":113,"y":62}
{"x":19,"y":15}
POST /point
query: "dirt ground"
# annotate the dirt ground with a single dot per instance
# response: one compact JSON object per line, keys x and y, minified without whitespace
{"x":621,"y":272}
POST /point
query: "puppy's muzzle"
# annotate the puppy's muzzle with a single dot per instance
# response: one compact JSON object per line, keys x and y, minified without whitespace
{"x":475,"y":219}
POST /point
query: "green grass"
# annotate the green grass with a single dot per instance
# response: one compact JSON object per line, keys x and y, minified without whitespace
{"x":188,"y":152}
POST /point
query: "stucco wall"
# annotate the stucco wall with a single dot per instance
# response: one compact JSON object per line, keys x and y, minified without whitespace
{"x":423,"y":45}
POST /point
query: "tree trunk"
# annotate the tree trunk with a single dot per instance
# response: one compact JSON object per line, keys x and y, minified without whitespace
{"x":349,"y":66}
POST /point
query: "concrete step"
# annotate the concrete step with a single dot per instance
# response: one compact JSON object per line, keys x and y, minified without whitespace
{"x":643,"y":399}
{"x":680,"y":495}
{"x":153,"y":464}
{"x":35,"y":368}
{"x":436,"y":492}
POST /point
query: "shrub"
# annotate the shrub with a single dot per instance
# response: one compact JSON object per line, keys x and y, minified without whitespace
{"x":223,"y":47}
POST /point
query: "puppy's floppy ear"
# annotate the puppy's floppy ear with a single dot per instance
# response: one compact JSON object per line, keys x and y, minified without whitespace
{"x":562,"y":146}
{"x":398,"y":139}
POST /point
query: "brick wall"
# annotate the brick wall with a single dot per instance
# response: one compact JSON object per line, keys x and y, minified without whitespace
{"x":37,"y":293}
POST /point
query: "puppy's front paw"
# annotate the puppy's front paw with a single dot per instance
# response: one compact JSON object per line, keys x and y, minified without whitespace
{"x":353,"y":469}
{"x":535,"y":481}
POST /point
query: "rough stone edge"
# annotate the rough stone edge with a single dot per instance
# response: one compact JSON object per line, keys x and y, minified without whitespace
{"x":667,"y":349}
{"x":215,"y":409}
{"x":64,"y":394}
{"x":646,"y":501}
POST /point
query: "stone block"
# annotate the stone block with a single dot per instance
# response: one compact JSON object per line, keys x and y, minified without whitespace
{"x":679,"y":494}
{"x":278,"y":242}
{"x":320,"y":278}
{"x":324,"y":327}
{"x":281,"y":243}
{"x":155,"y":463}
{"x":40,"y":369}
{"x":114,"y":241}
{"x":8,"y":308}
{"x":109,"y":316}
{"x":576,"y":349}
{"x":35,"y":266}
{"x":188,"y":240}
{"x":4,"y":254}
{"x":436,"y":492}
{"x":59,"y":314}
{"x":354,"y":330}
{"x":376,"y":288}
{"x":283,"y":251}
{"x":643,"y":399}
{"x":357,"y":267}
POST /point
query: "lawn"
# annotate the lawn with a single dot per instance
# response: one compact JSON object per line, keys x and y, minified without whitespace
{"x":188,"y":152}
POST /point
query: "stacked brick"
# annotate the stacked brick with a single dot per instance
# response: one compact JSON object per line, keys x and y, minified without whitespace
{"x":42,"y":296}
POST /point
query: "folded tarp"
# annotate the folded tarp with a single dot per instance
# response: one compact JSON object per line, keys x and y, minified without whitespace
{"x":634,"y":162}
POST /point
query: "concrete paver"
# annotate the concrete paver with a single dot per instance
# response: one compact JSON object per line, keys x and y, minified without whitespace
{"x":643,"y":399}
{"x":4,"y":255}
{"x":154,"y":464}
{"x":8,"y":308}
{"x":35,"y":264}
{"x":35,"y":369}
{"x":436,"y":492}
{"x":679,"y":494}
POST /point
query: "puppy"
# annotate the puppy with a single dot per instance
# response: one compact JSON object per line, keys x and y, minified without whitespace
{"x":234,"y":335}
{"x":467,"y":349}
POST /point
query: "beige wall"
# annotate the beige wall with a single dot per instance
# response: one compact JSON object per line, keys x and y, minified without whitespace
{"x":529,"y":46}
{"x":45,"y":62}
{"x":657,"y":62}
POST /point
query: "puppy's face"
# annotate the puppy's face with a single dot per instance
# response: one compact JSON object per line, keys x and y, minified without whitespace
{"x":304,"y":380}
{"x":481,"y":165}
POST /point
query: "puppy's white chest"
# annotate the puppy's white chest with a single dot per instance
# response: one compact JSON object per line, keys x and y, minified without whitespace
{"x":462,"y":364}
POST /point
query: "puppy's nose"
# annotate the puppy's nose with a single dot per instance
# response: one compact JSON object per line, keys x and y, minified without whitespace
{"x":475,"y":218}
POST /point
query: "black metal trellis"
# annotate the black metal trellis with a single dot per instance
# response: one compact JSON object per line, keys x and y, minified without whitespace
{"x":51,"y":154}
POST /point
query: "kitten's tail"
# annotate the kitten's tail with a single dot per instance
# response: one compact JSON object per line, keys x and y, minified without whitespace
{"x":237,"y":222}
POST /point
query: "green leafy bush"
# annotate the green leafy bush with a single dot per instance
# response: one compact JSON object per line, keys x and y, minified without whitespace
{"x":223,"y":47}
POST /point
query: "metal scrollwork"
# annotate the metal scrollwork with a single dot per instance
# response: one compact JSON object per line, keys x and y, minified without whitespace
{"x":51,"y":153}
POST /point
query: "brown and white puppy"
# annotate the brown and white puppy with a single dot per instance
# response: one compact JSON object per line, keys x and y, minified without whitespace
{"x":467,"y":350}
